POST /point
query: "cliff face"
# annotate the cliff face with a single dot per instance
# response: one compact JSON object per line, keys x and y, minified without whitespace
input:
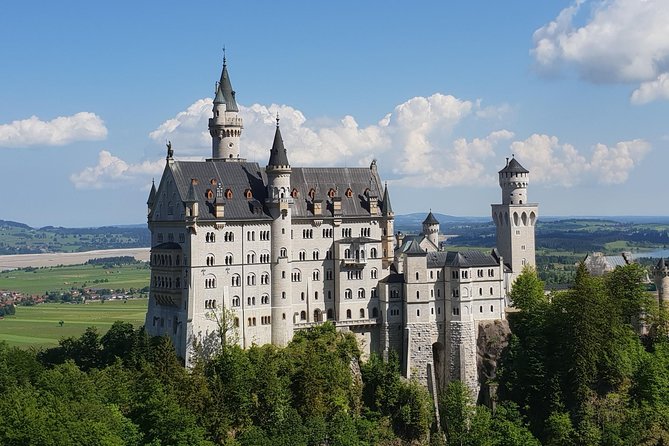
{"x":493,"y":338}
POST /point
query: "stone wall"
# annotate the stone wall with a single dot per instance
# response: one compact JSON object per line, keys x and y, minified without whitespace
{"x":462,"y":352}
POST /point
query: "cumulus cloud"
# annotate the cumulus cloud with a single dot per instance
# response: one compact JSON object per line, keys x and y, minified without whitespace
{"x":418,"y":144}
{"x":112,"y":171}
{"x":552,"y":162}
{"x":83,"y":126}
{"x":620,"y":41}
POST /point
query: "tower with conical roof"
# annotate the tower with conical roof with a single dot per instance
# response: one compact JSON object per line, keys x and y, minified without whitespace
{"x":388,"y":229}
{"x":515,"y":218}
{"x":431,"y":229}
{"x":225,"y":125}
{"x":279,"y":203}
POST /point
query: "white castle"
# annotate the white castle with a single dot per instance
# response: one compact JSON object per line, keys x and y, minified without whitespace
{"x":278,"y":249}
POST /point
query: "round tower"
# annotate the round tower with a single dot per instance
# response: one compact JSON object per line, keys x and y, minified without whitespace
{"x":279,"y":202}
{"x":661,"y":279}
{"x":431,"y":229}
{"x":225,"y":125}
{"x":513,"y":180}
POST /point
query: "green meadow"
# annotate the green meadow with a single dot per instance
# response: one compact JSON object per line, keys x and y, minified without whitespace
{"x":39,"y":325}
{"x":64,"y":278}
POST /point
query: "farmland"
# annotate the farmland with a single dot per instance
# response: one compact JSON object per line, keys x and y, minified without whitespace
{"x":39,"y":325}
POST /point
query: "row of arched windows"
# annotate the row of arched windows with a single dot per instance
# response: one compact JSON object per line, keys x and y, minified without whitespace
{"x":210,"y":303}
{"x":164,"y":260}
{"x":166,"y":282}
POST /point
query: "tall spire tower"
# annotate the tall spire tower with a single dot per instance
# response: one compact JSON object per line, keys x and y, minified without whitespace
{"x":280,"y":202}
{"x":225,"y":126}
{"x":515,"y":218}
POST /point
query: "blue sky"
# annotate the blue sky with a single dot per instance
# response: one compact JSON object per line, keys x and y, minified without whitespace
{"x":439,"y":92}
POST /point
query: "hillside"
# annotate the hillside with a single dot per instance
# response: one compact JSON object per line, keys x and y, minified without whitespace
{"x":19,"y":238}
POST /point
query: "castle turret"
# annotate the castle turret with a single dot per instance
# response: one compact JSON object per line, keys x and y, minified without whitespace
{"x":388,"y":228}
{"x":279,"y":203}
{"x":515,"y":218}
{"x":225,"y":126}
{"x":661,"y":279}
{"x":431,"y":229}
{"x":152,"y":198}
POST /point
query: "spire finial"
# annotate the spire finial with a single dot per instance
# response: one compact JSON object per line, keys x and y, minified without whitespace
{"x":277,"y":118}
{"x":223,"y":54}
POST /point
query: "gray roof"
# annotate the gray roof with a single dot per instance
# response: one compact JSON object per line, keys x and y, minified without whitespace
{"x":226,"y":89}
{"x":514,"y":166}
{"x":385,"y":204}
{"x":152,"y":194}
{"x":430,"y":220}
{"x":413,"y":249}
{"x":393,"y":278}
{"x":239,"y":177}
{"x":278,"y":155}
{"x":462,"y":259}
{"x":339,"y":179}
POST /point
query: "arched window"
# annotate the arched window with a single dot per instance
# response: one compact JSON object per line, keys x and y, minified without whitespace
{"x":361,"y":293}
{"x":348,"y":314}
{"x":296,"y":275}
{"x":235,"y":301}
{"x":228,"y":258}
{"x":316,"y":275}
{"x":228,"y":194}
{"x":373,"y":273}
{"x":417,"y":276}
{"x":283,"y":252}
{"x":251,"y":257}
{"x":362,"y":313}
{"x":348,"y":294}
{"x":264,"y":278}
{"x":303,"y":315}
{"x":251,"y":279}
{"x":372,"y":253}
{"x":264,"y":299}
{"x":347,"y":253}
{"x":236,"y":280}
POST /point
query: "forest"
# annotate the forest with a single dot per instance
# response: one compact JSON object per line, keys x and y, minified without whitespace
{"x":575,"y":372}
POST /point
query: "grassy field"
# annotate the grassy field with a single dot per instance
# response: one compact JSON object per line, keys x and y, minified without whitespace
{"x":63,"y":278}
{"x":39,"y":326}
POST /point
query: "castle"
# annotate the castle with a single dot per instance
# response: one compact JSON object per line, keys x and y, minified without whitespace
{"x":256,"y":253}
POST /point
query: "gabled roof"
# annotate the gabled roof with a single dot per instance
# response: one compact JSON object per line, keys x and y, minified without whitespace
{"x":413,"y":249}
{"x":238,"y":177}
{"x":278,"y":155}
{"x":514,"y":166}
{"x":461,"y":259}
{"x":430,"y":220}
{"x":225,"y":87}
{"x":339,"y":179}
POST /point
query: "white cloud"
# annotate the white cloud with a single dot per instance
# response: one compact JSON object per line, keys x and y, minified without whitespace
{"x":112,"y":171}
{"x":83,"y":126}
{"x":417,"y":144}
{"x":620,"y":41}
{"x":652,"y":90}
{"x":555,"y":163}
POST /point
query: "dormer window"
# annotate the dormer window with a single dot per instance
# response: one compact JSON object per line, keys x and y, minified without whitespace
{"x":312,"y":193}
{"x":228,"y":194}
{"x":349,"y":192}
{"x":331,"y":193}
{"x":213,"y":182}
{"x":367,"y":192}
{"x":248,"y":194}
{"x":294,"y":193}
{"x":210,"y":194}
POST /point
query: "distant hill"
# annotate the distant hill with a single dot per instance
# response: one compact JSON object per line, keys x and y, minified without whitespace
{"x":580,"y":234}
{"x":19,"y":238}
